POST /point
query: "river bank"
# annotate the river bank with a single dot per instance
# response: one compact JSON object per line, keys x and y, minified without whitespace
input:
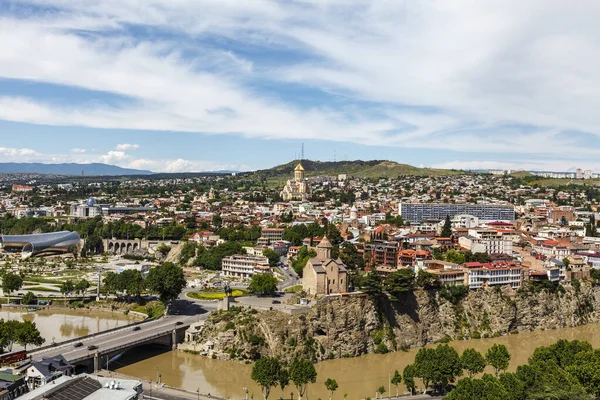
{"x":351,"y":326}
{"x":358,"y":376}
{"x":60,"y":324}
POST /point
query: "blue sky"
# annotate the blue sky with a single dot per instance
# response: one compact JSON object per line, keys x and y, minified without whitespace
{"x":193,"y":85}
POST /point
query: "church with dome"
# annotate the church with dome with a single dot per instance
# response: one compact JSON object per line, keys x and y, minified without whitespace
{"x":324,"y":275}
{"x":297,"y":188}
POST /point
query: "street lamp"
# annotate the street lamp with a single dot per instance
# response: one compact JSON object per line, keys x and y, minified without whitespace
{"x":245,"y":389}
{"x":198,"y":391}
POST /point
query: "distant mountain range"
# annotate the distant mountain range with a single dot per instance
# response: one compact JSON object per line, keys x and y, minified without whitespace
{"x":93,"y":169}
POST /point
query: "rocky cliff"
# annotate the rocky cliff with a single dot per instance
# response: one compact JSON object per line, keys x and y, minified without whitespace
{"x":356,"y":325}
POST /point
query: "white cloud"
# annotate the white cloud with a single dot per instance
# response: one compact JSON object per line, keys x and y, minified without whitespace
{"x":127,"y":146}
{"x":114,"y":157}
{"x":78,"y":150}
{"x":443,"y":75}
{"x":11,"y":154}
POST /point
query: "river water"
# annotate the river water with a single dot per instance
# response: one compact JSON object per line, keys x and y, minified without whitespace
{"x":359,"y":377}
{"x":63,"y":324}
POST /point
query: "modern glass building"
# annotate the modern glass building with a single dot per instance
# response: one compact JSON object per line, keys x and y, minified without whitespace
{"x":31,"y":245}
{"x":415,"y":213}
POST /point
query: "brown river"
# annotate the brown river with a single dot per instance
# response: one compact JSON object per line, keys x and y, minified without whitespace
{"x":359,"y":377}
{"x":63,"y":324}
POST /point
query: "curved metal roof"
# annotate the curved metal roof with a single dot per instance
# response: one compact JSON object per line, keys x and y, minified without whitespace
{"x":36,"y":243}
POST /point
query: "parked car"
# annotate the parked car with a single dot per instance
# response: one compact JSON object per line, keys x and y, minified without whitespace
{"x":136,"y":328}
{"x":78,"y":344}
{"x":92,"y":347}
{"x":275,"y":302}
{"x":178,"y":323}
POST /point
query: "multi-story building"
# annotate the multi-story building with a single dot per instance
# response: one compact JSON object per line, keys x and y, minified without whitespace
{"x":244,"y":266}
{"x":382,"y":252}
{"x":486,"y":241}
{"x":561,"y":213}
{"x":483,"y":275}
{"x":272,"y":234}
{"x":415,"y":213}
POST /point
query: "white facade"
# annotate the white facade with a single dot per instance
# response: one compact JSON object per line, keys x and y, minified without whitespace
{"x":244,"y":266}
{"x":481,"y":277}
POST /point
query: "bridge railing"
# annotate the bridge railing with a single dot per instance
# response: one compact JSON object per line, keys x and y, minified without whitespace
{"x":126,"y":345}
{"x":92,"y":335}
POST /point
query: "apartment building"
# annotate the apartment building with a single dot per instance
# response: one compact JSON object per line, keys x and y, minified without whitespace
{"x":415,"y":213}
{"x":272,"y":234}
{"x":244,"y":266}
{"x":486,"y":241}
{"x":483,"y":275}
{"x":382,"y":253}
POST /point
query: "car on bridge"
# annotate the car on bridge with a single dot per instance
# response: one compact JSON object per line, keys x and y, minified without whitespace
{"x":92,"y":347}
{"x":78,"y":344}
{"x":136,"y":328}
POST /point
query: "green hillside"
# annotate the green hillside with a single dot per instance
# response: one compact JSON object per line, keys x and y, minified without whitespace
{"x":357,"y":168}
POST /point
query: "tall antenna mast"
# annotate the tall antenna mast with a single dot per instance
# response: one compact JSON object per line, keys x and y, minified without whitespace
{"x":334,"y":160}
{"x":302,"y":152}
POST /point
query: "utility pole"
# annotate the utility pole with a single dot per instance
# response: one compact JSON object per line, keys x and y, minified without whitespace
{"x":389,"y":384}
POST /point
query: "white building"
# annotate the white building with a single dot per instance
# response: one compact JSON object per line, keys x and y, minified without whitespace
{"x":244,"y":266}
{"x":486,"y":241}
{"x":479,"y":277}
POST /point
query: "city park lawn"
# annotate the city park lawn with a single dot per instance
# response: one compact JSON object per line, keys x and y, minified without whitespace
{"x":215,"y":295}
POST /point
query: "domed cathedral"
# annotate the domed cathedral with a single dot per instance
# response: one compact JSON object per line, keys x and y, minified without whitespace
{"x":297,"y":188}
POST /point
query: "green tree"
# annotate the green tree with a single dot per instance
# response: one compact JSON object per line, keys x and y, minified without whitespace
{"x":370,"y":283}
{"x":188,"y":252}
{"x":266,"y":372}
{"x":263,"y":283}
{"x":67,"y":287}
{"x":484,"y":389}
{"x":331,"y":385}
{"x":472,"y":361}
{"x":302,"y":372}
{"x":396,"y":380}
{"x":111,"y":282}
{"x":163,"y":249}
{"x":283,"y":378}
{"x":132,"y":281}
{"x":217,"y":221}
{"x":167,"y":280}
{"x":272,"y":256}
{"x":400,"y":281}
{"x":28,"y":334}
{"x":498,"y":357}
{"x":515,"y":389}
{"x":427,"y":280}
{"x":351,"y":257}
{"x":447,"y":229}
{"x":455,"y":256}
{"x":381,"y":390}
{"x":11,"y":283}
{"x":81,"y":286}
{"x":446,"y":368}
{"x":424,"y":365}
{"x":10,"y":330}
{"x":30,"y":298}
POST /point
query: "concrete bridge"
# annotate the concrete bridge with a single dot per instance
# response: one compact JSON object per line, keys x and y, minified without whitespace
{"x":166,"y":331}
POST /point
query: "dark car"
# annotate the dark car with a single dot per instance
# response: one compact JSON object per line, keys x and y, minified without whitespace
{"x":275,"y":302}
{"x":92,"y":347}
{"x":78,"y":344}
{"x":136,"y":328}
{"x":178,"y":323}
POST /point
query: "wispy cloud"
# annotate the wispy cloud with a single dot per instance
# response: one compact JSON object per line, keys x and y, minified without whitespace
{"x":127,"y":146}
{"x":494,"y":77}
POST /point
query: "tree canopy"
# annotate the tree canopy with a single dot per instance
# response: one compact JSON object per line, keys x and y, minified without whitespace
{"x":166,"y":280}
{"x":262,"y":283}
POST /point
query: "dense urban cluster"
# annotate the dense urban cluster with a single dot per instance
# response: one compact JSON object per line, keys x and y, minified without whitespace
{"x":144,"y":240}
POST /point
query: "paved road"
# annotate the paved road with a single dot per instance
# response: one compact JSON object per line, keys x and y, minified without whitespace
{"x":185,"y":312}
